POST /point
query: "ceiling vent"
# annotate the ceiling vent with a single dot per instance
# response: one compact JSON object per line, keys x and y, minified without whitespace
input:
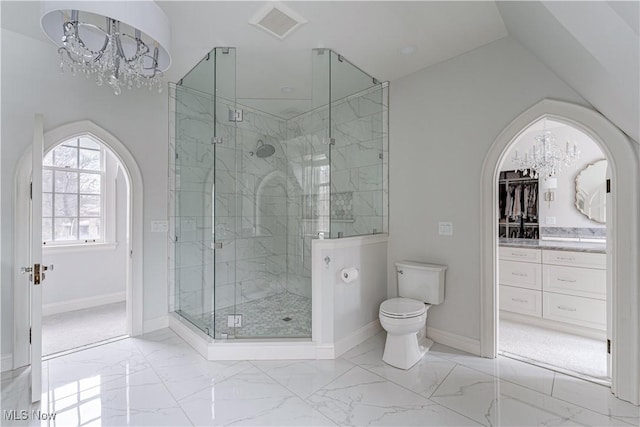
{"x":277,"y":20}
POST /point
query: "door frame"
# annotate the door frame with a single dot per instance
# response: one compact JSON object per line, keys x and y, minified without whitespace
{"x":623,"y":235}
{"x":134,"y":287}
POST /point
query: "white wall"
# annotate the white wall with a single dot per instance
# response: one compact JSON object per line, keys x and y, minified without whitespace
{"x":443,"y":120}
{"x":563,"y":208}
{"x":90,"y":276}
{"x":348,"y":308}
{"x":33,"y":83}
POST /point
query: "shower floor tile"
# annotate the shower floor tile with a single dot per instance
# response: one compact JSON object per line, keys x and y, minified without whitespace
{"x":282,"y":315}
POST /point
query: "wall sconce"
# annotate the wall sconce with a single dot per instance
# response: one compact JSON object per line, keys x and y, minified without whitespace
{"x":548,"y":185}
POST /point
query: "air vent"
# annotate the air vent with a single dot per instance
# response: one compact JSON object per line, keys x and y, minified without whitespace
{"x":277,"y":20}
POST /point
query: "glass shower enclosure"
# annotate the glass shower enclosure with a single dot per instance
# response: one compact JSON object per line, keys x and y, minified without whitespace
{"x":250,"y":186}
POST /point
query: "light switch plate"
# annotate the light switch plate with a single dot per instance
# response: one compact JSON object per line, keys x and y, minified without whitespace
{"x":159,"y":226}
{"x":445,"y":228}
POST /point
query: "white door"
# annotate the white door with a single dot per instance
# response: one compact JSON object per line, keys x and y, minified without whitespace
{"x":36,"y":269}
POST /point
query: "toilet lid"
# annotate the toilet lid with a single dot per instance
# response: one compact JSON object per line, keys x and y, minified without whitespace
{"x":402,"y":308}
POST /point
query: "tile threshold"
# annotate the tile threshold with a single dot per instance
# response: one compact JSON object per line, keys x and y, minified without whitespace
{"x":600,"y":381}
{"x":83,"y":347}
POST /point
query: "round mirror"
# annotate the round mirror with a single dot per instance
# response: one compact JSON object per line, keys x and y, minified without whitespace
{"x":591,"y":191}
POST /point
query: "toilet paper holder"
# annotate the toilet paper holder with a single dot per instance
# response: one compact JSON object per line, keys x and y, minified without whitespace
{"x":349,"y":274}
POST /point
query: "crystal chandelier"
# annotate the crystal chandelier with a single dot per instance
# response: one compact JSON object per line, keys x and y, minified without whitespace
{"x":126,"y":52}
{"x":545,"y":159}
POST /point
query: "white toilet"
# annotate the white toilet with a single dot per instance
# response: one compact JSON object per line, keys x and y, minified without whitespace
{"x":404,"y":318}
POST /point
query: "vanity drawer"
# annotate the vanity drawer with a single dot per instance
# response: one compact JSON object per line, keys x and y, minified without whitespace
{"x":584,"y":282}
{"x":575,"y":259}
{"x":520,"y":254}
{"x":521,"y":274}
{"x":523,"y":301}
{"x":588,"y":312}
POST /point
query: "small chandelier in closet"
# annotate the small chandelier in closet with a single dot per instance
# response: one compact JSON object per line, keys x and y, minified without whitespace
{"x":545,"y":158}
{"x":123,"y":44}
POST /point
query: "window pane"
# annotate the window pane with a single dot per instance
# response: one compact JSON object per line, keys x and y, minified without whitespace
{"x":90,"y":160}
{"x":71,"y":142}
{"x":65,"y":157}
{"x":90,"y":205}
{"x":86,"y":142}
{"x":47,"y":201}
{"x":90,"y":228}
{"x":48,"y":159}
{"x":66,"y":182}
{"x":66,"y":205}
{"x":90,"y":183}
{"x":47,"y":180}
{"x":46,"y":229}
{"x":66,"y":229}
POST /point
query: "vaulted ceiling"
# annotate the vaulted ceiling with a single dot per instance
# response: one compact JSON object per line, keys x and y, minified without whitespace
{"x":592,"y":46}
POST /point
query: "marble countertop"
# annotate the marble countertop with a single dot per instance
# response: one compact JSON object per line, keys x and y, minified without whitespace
{"x":558,"y":245}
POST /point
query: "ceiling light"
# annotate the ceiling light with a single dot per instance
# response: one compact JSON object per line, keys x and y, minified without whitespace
{"x":124,"y":44}
{"x":407,"y":50}
{"x":545,"y":159}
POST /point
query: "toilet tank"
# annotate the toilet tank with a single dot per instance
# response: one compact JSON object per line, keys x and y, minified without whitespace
{"x":422,"y":282}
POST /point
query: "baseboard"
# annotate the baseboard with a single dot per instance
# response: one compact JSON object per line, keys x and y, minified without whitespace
{"x":155,"y":324}
{"x":81,"y":303}
{"x":357,"y":337}
{"x":7,"y":363}
{"x":196,"y":339}
{"x":459,"y":342}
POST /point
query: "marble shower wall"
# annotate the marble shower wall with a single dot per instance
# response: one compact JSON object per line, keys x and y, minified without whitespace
{"x":359,"y":164}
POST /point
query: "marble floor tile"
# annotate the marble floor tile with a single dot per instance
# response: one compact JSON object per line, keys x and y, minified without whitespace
{"x":158,"y":379}
{"x":491,"y":401}
{"x":187,"y":379}
{"x":250,"y":398}
{"x":304,"y":377}
{"x":595,"y":397}
{"x":360,"y":397}
{"x":136,"y":399}
{"x":81,"y":370}
{"x":515,"y":371}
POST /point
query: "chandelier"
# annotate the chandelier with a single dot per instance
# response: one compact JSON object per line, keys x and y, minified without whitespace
{"x":129,"y":50}
{"x":545,"y":158}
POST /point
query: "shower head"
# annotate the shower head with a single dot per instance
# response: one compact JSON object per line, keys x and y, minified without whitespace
{"x":264,"y":150}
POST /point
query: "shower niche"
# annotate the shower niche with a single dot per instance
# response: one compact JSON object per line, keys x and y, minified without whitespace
{"x":257,"y":170}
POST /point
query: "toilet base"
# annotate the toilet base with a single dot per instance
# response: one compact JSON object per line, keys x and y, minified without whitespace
{"x":404,"y":351}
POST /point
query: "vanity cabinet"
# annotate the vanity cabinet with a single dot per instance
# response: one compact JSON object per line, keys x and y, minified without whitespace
{"x":559,"y":286}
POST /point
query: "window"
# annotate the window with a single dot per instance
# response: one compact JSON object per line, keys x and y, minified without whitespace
{"x":72,"y":192}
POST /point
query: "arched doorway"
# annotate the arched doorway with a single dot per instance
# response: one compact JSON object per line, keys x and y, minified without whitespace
{"x":134,"y":232}
{"x":622,"y":236}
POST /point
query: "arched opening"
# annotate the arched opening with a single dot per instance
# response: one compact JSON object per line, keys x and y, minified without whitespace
{"x":552,"y":278}
{"x":132,"y":233}
{"x":622,"y":236}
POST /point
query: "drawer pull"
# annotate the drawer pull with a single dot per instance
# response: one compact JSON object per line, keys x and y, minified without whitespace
{"x":566,"y":280}
{"x":519,"y":274}
{"x":566,"y":258}
{"x":518,"y":300}
{"x":566,"y":308}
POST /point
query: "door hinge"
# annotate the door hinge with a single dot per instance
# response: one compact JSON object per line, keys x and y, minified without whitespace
{"x":29,"y":335}
{"x":608,"y":185}
{"x":608,"y":346}
{"x":235,"y":115}
{"x":31,"y":190}
{"x":216,"y":140}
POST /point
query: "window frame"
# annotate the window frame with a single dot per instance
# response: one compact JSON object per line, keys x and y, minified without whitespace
{"x":106,"y":237}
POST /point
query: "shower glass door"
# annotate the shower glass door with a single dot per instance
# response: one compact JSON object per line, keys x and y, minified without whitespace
{"x":224,"y":215}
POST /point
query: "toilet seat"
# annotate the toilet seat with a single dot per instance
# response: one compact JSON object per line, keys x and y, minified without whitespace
{"x":402,"y":308}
